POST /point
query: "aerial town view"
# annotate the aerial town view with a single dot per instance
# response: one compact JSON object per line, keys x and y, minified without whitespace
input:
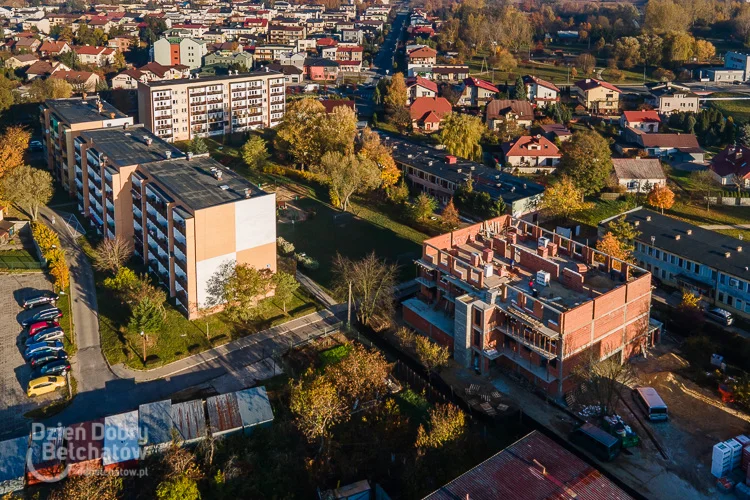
{"x":374,"y":249}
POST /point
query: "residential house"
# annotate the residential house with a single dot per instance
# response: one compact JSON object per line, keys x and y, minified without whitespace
{"x":501,"y":110}
{"x":285,"y":35}
{"x":96,"y":56}
{"x":647,"y":121}
{"x":427,"y":113}
{"x":531,"y":154}
{"x":449,"y":73}
{"x":711,"y":265}
{"x":730,"y":167}
{"x":53,"y":49}
{"x":129,"y":79}
{"x":82,"y":81}
{"x":434,"y":172}
{"x":26,"y":45}
{"x":226,"y":58}
{"x":638,"y":175}
{"x":20,"y":61}
{"x":186,"y":51}
{"x":508,"y":293}
{"x":292,"y":74}
{"x":420,"y":87}
{"x":319,"y":69}
{"x":43,"y":69}
{"x":475,"y":92}
{"x":120,"y":43}
{"x":597,"y":96}
{"x":422,"y":56}
{"x":272,"y":52}
{"x":679,"y":147}
{"x":540,"y":92}
{"x":293,"y":59}
{"x":556,"y":131}
{"x":669,"y":97}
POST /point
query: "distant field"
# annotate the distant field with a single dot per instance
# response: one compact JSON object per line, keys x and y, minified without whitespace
{"x":737,"y":109}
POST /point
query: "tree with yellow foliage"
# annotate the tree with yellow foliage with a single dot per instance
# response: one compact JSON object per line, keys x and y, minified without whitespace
{"x":373,"y":149}
{"x":613,"y":247}
{"x":14,"y":142}
{"x":661,"y":197}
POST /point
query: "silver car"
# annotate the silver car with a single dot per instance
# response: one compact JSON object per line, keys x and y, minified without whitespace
{"x":37,"y":349}
{"x":48,"y":334}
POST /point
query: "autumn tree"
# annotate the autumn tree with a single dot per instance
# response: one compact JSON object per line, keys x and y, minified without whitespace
{"x":396,"y":95}
{"x":14,"y":142}
{"x":338,"y":130}
{"x":504,"y":60}
{"x":450,"y":216}
{"x":372,"y":281}
{"x":373,"y":149}
{"x":111,"y":254}
{"x":611,"y":246}
{"x":347,"y":175}
{"x":60,"y":273}
{"x":563,"y":199}
{"x":423,"y":207}
{"x":28,"y":188}
{"x":461,"y":133}
{"x":603,"y":382}
{"x":297,"y":135}
{"x":284,"y":286}
{"x":587,"y":160}
{"x":89,"y":487}
{"x":704,"y":183}
{"x":661,"y":197}
{"x":663,"y":16}
{"x":240,"y":288}
{"x":586,"y":62}
{"x":447,"y":424}
{"x":690,"y":300}
{"x":360,"y":376}
{"x":255,"y":153}
{"x":180,"y":488}
{"x":432,"y":355}
{"x":316,"y":406}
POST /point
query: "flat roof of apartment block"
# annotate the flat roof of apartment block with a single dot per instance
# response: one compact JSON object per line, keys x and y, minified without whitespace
{"x":208,"y":79}
{"x":77,"y":110}
{"x":133,"y":145}
{"x":196,"y":183}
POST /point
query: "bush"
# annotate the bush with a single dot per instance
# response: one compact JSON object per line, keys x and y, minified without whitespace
{"x":306,"y":261}
{"x":284,"y":246}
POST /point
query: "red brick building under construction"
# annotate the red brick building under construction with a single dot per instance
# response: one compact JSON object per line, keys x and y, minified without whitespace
{"x":507,"y":293}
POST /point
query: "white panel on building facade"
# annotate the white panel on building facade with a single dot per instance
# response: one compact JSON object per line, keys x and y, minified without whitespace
{"x":255,"y":221}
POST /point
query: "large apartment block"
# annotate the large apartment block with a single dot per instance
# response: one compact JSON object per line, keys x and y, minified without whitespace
{"x":62,"y":121}
{"x":713,"y":266}
{"x":509,"y":294}
{"x":184,"y":216}
{"x":178,"y":110}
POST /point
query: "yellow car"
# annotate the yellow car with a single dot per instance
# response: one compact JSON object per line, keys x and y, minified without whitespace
{"x":44,"y":385}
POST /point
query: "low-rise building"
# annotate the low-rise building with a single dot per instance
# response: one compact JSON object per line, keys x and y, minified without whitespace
{"x":507,"y":293}
{"x":81,"y":81}
{"x":738,"y":61}
{"x":711,"y":265}
{"x":422,"y":56}
{"x":669,"y":97}
{"x":178,"y":110}
{"x":541,"y":92}
{"x":531,"y":154}
{"x":96,"y":56}
{"x":319,"y":69}
{"x":171,"y":51}
{"x":420,"y":87}
{"x":427,"y":113}
{"x":224,"y":58}
{"x":647,"y":121}
{"x":285,"y":35}
{"x":597,"y":96}
{"x":476,"y":93}
{"x":679,"y":147}
{"x":731,"y":167}
{"x":638,"y":175}
{"x":500,"y":111}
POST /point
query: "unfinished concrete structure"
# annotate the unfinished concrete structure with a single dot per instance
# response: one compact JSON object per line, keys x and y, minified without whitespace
{"x":510,"y":294}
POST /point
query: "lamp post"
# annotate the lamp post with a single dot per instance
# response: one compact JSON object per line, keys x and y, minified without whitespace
{"x":143,"y":337}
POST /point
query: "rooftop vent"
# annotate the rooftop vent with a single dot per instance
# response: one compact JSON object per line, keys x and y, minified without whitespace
{"x":168,"y":154}
{"x":147,"y":140}
{"x":410,"y":155}
{"x":248,"y":193}
{"x":739,"y":248}
{"x":689,"y":232}
{"x":637,"y":223}
{"x":473,"y":167}
{"x":458,"y":170}
{"x":429,"y":163}
{"x":648,"y":218}
{"x":223,"y":187}
{"x":189,"y":155}
{"x":727,"y":254}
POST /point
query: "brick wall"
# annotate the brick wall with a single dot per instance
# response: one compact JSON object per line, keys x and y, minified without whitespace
{"x":423,"y":326}
{"x":535,"y":263}
{"x":572,"y":280}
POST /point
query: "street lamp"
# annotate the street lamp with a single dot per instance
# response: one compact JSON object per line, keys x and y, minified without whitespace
{"x":143,"y":336}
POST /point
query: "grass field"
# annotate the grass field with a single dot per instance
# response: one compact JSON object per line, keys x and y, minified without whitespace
{"x":737,"y":109}
{"x":330,"y":231}
{"x":18,"y":259}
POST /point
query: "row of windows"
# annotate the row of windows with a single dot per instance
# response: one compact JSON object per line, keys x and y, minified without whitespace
{"x":739,"y":304}
{"x":675,"y":260}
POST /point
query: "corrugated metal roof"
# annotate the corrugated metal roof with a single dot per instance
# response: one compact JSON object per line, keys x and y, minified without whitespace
{"x":189,"y":420}
{"x":255,"y":409}
{"x":223,"y":414}
{"x":13,"y":458}
{"x":534,"y":467}
{"x":121,"y":438}
{"x":85,"y":441}
{"x":155,"y":422}
{"x":44,"y":446}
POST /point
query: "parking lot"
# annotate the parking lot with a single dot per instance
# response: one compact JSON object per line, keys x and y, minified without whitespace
{"x":14,"y":371}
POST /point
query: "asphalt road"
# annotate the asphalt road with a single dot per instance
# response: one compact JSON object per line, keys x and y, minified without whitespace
{"x":384,"y":59}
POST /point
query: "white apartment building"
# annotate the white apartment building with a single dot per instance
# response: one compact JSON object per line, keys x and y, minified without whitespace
{"x":178,"y":110}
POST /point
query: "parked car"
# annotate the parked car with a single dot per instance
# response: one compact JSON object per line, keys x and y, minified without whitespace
{"x":35,"y":350}
{"x":49,"y":314}
{"x":58,"y":367}
{"x":41,"y":325}
{"x":721,"y":316}
{"x":40,"y":299}
{"x":48,"y":357}
{"x":44,"y":385}
{"x":35,"y":146}
{"x":54,"y":333}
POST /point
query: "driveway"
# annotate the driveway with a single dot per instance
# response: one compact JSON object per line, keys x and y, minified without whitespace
{"x":14,"y":371}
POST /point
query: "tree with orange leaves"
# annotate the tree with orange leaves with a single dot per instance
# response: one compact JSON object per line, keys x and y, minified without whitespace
{"x":612,"y":247}
{"x":373,"y":149}
{"x":661,"y":197}
{"x":14,"y":142}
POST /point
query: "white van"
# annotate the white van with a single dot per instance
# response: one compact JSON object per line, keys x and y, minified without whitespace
{"x":652,"y":404}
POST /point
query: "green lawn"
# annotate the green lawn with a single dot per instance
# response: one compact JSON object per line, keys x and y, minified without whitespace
{"x":737,"y":109}
{"x":334,"y":355}
{"x":692,"y":210}
{"x":602,"y":210}
{"x":330,"y":231}
{"x":18,"y":259}
{"x":66,"y":322}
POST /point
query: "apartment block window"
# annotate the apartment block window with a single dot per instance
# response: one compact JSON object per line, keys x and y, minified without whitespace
{"x":723,"y":279}
{"x":720,"y":297}
{"x":713,"y":274}
{"x":477,"y":317}
{"x":697,"y":268}
{"x":477,"y":339}
{"x":680,"y":263}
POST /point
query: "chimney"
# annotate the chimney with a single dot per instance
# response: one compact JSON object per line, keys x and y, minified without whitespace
{"x":451,"y":160}
{"x":99,"y":106}
{"x":727,"y":254}
{"x":83,"y":96}
{"x":739,"y":248}
{"x":648,"y":218}
{"x":147,"y":140}
{"x":168,"y":154}
{"x":689,"y":232}
{"x":189,"y":155}
{"x":677,"y":237}
{"x":247,"y":193}
{"x":112,"y":116}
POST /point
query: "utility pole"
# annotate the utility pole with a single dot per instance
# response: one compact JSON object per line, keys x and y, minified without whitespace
{"x":349,"y":307}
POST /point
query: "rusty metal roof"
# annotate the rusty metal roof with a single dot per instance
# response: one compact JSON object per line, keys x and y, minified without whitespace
{"x":254,"y":407}
{"x":223,"y":414}
{"x":534,"y":467}
{"x":189,"y":419}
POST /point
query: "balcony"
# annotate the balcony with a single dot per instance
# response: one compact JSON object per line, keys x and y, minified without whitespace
{"x":182,"y":298}
{"x":164,"y":261}
{"x":152,"y":218}
{"x":136,"y":195}
{"x":182,"y":246}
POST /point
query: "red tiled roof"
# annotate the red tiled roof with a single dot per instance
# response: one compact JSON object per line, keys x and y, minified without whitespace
{"x":349,"y":49}
{"x":422,"y":106}
{"x":73,"y":76}
{"x":527,"y":145}
{"x":423,"y":52}
{"x":326,"y":42}
{"x":52,"y":46}
{"x":528,"y":79}
{"x":734,"y":159}
{"x":592,"y":83}
{"x":89,"y":50}
{"x":422,"y":82}
{"x":675,"y":141}
{"x":641,"y":116}
{"x":482,"y":84}
{"x":532,"y":468}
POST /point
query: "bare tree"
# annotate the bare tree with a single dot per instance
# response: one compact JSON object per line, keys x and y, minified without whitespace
{"x":703,"y":182}
{"x":111,"y":254}
{"x":372,"y":281}
{"x":602,"y":381}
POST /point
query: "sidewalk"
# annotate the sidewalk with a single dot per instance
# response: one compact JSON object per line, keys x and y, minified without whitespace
{"x":271,"y":341}
{"x":316,"y":290}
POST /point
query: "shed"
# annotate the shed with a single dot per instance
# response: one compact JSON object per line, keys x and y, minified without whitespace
{"x":13,"y":464}
{"x":44,"y":460}
{"x":255,"y":408}
{"x":223,"y":414}
{"x":85,"y":445}
{"x":121,"y":448}
{"x":189,"y":420}
{"x":155,"y":424}
{"x":356,"y":491}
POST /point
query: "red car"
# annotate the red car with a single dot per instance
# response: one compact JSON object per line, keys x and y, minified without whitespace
{"x":34,"y":328}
